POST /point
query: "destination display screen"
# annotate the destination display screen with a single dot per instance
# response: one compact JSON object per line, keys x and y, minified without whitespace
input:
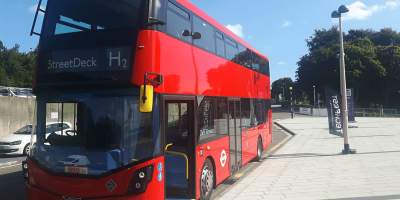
{"x":98,"y":59}
{"x":90,"y":64}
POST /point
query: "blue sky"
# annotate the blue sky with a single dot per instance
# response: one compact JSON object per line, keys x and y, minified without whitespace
{"x":276,"y":28}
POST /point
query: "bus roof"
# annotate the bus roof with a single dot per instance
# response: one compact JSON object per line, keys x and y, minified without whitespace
{"x":189,"y":5}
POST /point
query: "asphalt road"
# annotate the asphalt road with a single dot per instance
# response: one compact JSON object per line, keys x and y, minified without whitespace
{"x":12,"y":186}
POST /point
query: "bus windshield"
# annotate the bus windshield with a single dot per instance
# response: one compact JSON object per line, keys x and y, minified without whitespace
{"x":68,"y":16}
{"x":107,"y":131}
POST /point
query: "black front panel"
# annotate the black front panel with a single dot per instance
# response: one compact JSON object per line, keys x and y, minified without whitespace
{"x":89,"y":41}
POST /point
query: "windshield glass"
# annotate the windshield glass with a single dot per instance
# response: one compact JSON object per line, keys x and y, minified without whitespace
{"x":67,"y":16}
{"x":107,"y":131}
{"x":25,"y":130}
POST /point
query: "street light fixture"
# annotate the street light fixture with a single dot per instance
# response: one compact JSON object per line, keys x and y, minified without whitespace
{"x":338,"y":14}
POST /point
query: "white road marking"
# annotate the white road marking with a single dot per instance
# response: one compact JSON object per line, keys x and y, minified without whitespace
{"x":16,"y":165}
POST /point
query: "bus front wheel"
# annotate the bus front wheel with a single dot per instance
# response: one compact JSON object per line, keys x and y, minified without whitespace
{"x":206,"y":180}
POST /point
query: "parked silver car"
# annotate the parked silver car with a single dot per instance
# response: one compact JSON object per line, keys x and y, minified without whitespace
{"x":15,"y":92}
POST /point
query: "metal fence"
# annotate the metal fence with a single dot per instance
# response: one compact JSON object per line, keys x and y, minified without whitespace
{"x":373,"y":112}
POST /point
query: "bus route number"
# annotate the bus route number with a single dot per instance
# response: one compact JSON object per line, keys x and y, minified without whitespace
{"x":118,"y":59}
{"x":76,"y":170}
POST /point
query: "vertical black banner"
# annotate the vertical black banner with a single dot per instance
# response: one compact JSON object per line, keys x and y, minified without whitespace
{"x":350,"y":104}
{"x":334,"y":107}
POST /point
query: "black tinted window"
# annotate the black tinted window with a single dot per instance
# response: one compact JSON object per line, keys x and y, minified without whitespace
{"x":178,"y":10}
{"x":264,"y":67}
{"x":244,"y":57}
{"x":213,"y":117}
{"x":260,"y":111}
{"x":220,"y":45}
{"x":177,"y":23}
{"x":231,"y":52}
{"x":229,"y":41}
{"x":67,"y":16}
{"x":207,"y":34}
{"x":256,"y":62}
{"x":248,"y":116}
{"x":219,"y":35}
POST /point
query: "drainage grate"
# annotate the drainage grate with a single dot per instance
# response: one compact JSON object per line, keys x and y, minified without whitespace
{"x":229,"y":181}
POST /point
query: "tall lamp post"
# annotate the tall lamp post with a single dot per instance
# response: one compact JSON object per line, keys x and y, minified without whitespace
{"x":314,"y":94}
{"x":291,"y":101}
{"x":338,"y":14}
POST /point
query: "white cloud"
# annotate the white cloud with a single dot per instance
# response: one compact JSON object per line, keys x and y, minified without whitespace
{"x":359,"y":11}
{"x":236,"y":29}
{"x":267,"y":47}
{"x":286,"y":23}
{"x":281,"y":63}
{"x":32,"y":9}
{"x":249,"y":37}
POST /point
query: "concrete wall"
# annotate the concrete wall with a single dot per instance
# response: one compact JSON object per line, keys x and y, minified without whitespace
{"x":15,"y":113}
{"x":323,"y":112}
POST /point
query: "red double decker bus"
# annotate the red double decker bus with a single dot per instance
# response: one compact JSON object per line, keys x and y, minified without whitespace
{"x":164,"y":102}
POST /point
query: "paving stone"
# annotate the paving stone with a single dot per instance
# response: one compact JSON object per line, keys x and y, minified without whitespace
{"x":311,"y":166}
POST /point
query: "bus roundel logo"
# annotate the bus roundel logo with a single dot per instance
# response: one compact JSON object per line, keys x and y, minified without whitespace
{"x":223,"y":158}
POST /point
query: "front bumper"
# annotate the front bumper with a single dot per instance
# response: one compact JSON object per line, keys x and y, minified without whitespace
{"x":7,"y":149}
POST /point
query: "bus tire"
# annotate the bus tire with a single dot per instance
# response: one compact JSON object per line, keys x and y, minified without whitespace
{"x":259,"y":150}
{"x":206,"y":180}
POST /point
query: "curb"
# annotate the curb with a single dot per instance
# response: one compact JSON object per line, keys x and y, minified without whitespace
{"x":284,"y":128}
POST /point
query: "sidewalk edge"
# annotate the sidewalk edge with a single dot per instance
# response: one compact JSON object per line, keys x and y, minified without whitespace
{"x":284,"y":128}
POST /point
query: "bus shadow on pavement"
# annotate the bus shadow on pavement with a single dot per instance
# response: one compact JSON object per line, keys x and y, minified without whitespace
{"x":302,"y":155}
{"x":305,"y":155}
{"x":12,"y":186}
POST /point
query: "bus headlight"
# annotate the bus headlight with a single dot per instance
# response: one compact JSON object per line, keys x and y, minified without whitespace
{"x":141,"y":178}
{"x":25,"y":171}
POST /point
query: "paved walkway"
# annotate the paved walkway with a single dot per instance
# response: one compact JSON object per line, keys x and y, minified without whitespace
{"x":311,"y":166}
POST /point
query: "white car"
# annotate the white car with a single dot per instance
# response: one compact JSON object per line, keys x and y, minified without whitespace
{"x":19,"y":142}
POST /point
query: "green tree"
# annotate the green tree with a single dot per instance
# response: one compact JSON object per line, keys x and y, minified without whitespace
{"x":372,"y":65}
{"x":389,"y":56}
{"x":281,"y":86}
{"x":16,"y":68}
{"x":362,"y":68}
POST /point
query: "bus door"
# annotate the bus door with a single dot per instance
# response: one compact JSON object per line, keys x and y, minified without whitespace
{"x":235,"y":138}
{"x":179,"y":149}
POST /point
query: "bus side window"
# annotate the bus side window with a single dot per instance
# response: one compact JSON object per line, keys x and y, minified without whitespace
{"x":256,"y":62}
{"x":178,"y":20}
{"x":207,"y":34}
{"x":231,"y":50}
{"x":220,"y":44}
{"x":264,"y":67}
{"x":244,"y":57}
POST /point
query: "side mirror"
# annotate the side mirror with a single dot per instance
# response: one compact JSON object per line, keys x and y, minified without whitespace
{"x":146,"y":100}
{"x":196,"y":35}
{"x":185,"y":33}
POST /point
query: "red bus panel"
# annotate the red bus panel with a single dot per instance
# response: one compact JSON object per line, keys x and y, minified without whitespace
{"x":218,"y":152}
{"x":54,"y":187}
{"x":190,"y":70}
